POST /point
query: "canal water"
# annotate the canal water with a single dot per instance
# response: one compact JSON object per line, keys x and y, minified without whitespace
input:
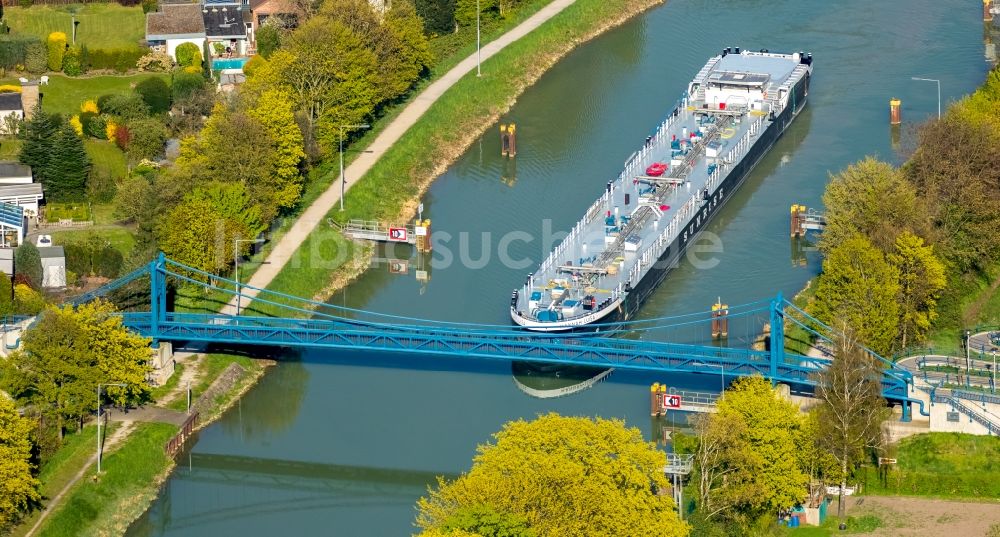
{"x":342,"y":443}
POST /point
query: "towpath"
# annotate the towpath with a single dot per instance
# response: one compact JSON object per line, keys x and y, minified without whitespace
{"x":316,"y":213}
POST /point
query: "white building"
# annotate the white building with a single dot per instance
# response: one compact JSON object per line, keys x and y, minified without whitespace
{"x":173,"y":25}
{"x":14,"y":173}
{"x":53,"y":266}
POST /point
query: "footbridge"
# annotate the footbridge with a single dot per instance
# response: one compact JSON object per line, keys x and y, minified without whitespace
{"x":676,"y":344}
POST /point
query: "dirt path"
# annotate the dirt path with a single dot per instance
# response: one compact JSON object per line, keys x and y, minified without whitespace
{"x":112,"y":441}
{"x":906,"y":516}
{"x":316,"y":213}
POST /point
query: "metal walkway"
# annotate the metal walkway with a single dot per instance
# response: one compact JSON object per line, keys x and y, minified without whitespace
{"x":622,"y":346}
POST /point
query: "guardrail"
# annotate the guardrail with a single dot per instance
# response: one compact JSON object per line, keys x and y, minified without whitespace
{"x":177,"y":442}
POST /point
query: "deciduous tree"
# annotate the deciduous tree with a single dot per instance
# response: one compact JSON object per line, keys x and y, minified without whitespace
{"x":564,"y":476}
{"x":851,"y":409}
{"x":18,"y":487}
{"x":273,"y":110}
{"x":921,"y":280}
{"x":860,"y":288}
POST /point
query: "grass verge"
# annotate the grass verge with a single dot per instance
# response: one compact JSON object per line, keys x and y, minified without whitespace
{"x":110,"y":503}
{"x":945,"y":465}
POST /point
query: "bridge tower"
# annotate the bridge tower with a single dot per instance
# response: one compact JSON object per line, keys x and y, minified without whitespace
{"x":777,"y":335}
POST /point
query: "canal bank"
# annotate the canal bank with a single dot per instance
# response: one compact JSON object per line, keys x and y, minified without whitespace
{"x":374,"y":429}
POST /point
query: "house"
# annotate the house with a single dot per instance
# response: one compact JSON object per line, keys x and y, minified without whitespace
{"x":227,"y":22}
{"x":10,"y":107}
{"x":7,"y":261}
{"x":261,"y":10}
{"x":12,"y":225}
{"x":25,"y":196}
{"x":173,"y":25}
{"x":53,"y":266}
{"x":14,"y":173}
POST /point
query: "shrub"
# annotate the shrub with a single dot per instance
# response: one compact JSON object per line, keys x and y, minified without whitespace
{"x":10,"y":88}
{"x":124,"y":105}
{"x":108,"y":262}
{"x":90,"y":105}
{"x":110,"y":130}
{"x":27,"y":301}
{"x":219,"y":48}
{"x":36,"y":57}
{"x":149,"y":6}
{"x":57,"y":49}
{"x":155,"y":62}
{"x":95,"y":126}
{"x":155,"y":93}
{"x":122,"y":137}
{"x":184,"y":84}
{"x":146,"y":139}
{"x":73,"y":62}
{"x":77,"y":125}
{"x":188,"y":54}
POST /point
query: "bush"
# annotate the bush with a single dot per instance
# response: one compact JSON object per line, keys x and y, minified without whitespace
{"x":146,"y":139}
{"x":120,"y":60}
{"x":149,"y":6}
{"x":125,"y":106}
{"x":56,"y":50}
{"x":155,"y":93}
{"x":188,"y":54}
{"x":219,"y":48}
{"x":185,"y":84}
{"x":156,"y":62}
{"x":95,"y":126}
{"x":36,"y":57}
{"x":73,"y":62}
{"x":122,"y":137}
{"x":27,"y":301}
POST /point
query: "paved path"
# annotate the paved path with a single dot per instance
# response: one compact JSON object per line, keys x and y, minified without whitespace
{"x":151,"y":414}
{"x":316,"y":213}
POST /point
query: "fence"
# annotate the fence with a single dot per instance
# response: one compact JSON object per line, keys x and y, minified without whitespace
{"x":177,"y":442}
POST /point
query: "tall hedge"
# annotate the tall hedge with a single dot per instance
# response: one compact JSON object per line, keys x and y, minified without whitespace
{"x":57,"y":50}
{"x":36,"y":57}
{"x":14,"y":49}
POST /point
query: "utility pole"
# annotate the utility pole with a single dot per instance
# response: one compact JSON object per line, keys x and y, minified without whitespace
{"x":100,"y":444}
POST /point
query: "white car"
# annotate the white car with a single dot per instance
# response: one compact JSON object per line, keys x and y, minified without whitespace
{"x":43,"y":240}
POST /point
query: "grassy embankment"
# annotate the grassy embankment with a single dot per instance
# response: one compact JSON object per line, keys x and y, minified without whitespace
{"x":451,"y":125}
{"x":106,"y":505}
{"x":946,"y":465}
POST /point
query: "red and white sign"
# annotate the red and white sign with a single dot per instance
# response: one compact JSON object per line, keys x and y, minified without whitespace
{"x":397,"y":234}
{"x":671,"y":401}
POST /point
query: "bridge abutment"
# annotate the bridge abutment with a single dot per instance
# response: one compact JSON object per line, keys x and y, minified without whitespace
{"x":163,"y":362}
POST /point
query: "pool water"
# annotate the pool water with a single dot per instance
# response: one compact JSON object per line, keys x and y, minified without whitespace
{"x":228,"y":63}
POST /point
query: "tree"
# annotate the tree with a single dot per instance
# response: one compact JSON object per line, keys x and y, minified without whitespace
{"x":188,"y":55}
{"x":124,"y":106}
{"x":147,"y":138}
{"x":193,"y":233}
{"x":268,"y":38}
{"x":155,"y":93}
{"x":27,"y":301}
{"x":921,"y":280}
{"x":721,"y":450}
{"x":28,"y":263}
{"x":851,"y":409}
{"x":39,"y":135}
{"x":68,"y":166}
{"x":67,"y":353}
{"x":273,"y":110}
{"x":18,"y":488}
{"x":872,"y":199}
{"x":485,"y":522}
{"x":860,"y":288}
{"x":185,"y":84}
{"x":756,"y":433}
{"x":56,"y":44}
{"x":232,"y":202}
{"x":438,"y":15}
{"x":564,"y":476}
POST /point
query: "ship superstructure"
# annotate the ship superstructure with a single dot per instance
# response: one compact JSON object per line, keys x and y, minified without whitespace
{"x":614,"y":257}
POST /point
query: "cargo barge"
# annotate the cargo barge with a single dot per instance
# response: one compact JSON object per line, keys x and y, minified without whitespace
{"x":732,"y":113}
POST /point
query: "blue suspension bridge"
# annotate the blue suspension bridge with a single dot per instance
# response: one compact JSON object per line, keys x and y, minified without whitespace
{"x":664,"y":344}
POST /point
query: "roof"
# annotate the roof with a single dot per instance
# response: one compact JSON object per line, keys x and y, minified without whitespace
{"x":14,"y":169}
{"x":6,"y":253}
{"x":224,"y":21}
{"x":739,"y":78}
{"x":12,"y":215}
{"x":10,"y":101}
{"x":274,"y":6}
{"x":174,"y":20}
{"x":49,"y":252}
{"x":24,"y":190}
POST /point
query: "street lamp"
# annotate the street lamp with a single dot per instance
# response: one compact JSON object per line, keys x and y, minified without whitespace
{"x":99,"y":443}
{"x":343,"y":180}
{"x":993,"y":388}
{"x":938,"y":89}
{"x":236,"y":261}
{"x":478,"y":56}
{"x":722,"y":367}
{"x":968,"y":361}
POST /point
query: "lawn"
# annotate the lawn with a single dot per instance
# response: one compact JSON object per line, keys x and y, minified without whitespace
{"x":106,"y":157}
{"x":119,"y":238}
{"x":107,"y":26}
{"x":211,"y":366}
{"x":107,"y":505}
{"x":64,"y":95}
{"x":948,"y":465}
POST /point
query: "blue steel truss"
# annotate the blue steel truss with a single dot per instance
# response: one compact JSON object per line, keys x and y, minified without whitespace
{"x":613,"y":348}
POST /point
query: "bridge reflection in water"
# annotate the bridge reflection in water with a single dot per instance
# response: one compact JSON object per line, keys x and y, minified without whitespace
{"x":280,"y":489}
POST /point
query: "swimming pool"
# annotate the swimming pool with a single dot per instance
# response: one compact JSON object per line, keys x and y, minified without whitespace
{"x":228,"y":63}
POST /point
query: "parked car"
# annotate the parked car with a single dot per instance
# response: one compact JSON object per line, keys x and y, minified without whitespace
{"x":43,"y":240}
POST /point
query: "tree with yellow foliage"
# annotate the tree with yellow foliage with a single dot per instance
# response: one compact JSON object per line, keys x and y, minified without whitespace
{"x":562,"y":476}
{"x":18,"y":488}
